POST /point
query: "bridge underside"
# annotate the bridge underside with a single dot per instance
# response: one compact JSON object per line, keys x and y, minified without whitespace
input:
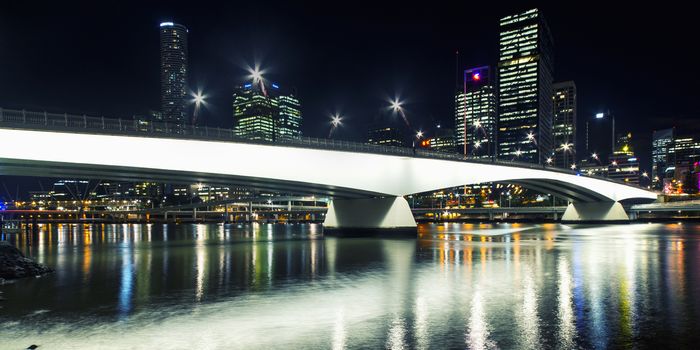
{"x":15,"y":167}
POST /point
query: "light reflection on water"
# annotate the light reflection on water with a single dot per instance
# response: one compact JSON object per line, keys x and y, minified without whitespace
{"x":476,"y":286}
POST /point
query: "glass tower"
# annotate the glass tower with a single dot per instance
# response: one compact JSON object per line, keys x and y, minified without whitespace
{"x":173,"y":75}
{"x":475,"y":114}
{"x":525,"y":88}
{"x":564,"y":128}
{"x":662,"y":140}
{"x":266,"y":113}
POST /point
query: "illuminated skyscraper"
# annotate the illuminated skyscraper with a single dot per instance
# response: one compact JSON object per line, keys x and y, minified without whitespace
{"x":266,"y":114}
{"x":525,"y":88}
{"x":173,"y":75}
{"x":662,"y":140}
{"x":564,"y":129}
{"x":289,"y":121}
{"x":475,"y":114}
{"x":624,"y":165}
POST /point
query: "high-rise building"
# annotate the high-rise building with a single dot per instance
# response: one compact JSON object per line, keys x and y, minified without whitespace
{"x":624,"y":165}
{"x":661,"y":141}
{"x":525,"y":88}
{"x":475,"y":114}
{"x":683,"y":153}
{"x":387,"y":131}
{"x":173,"y":75}
{"x":564,"y":127}
{"x":263,"y":112}
{"x":289,"y":122}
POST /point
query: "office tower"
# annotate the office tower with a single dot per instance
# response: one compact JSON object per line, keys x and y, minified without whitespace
{"x":386,"y":130}
{"x":263,"y":112}
{"x":624,"y":166}
{"x":289,"y":122}
{"x":443,"y":140}
{"x":475,"y":114}
{"x":564,"y":127}
{"x":683,"y":158}
{"x":525,"y":88}
{"x":173,"y":75}
{"x":661,"y":141}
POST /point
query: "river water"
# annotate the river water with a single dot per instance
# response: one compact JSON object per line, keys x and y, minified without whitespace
{"x":476,"y":286}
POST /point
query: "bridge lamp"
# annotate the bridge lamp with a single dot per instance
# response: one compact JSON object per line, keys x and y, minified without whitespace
{"x":594,"y":156}
{"x":599,"y":115}
{"x":336,"y":120}
{"x":419,"y":134}
{"x":549,"y":160}
{"x":477,"y":144}
{"x":396,"y":105}
{"x":573,"y":166}
{"x":530,"y":136}
{"x":518,"y":153}
{"x":645,"y":174}
{"x":477,"y":124}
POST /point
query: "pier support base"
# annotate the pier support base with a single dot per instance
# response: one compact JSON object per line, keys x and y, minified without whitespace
{"x":367,"y":216}
{"x":607,"y":212}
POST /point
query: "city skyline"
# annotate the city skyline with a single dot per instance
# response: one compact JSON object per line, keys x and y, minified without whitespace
{"x":423,"y":105}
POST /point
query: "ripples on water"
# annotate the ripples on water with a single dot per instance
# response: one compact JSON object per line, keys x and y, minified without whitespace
{"x":286,"y":286}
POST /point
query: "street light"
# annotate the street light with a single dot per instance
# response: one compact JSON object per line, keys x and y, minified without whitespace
{"x":198,"y":99}
{"x":336,"y":121}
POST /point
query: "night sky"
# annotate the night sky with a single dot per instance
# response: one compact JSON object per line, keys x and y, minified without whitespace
{"x":344,"y":57}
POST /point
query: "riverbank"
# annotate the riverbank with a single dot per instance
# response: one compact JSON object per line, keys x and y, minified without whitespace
{"x":14,"y":265}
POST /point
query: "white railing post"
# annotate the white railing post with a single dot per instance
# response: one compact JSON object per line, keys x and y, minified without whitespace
{"x":46,"y":118}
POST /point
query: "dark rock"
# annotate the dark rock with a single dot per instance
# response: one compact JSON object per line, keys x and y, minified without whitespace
{"x":32,"y":347}
{"x":13,"y":264}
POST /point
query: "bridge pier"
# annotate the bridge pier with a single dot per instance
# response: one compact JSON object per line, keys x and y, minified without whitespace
{"x":390,"y":215}
{"x":608,"y":212}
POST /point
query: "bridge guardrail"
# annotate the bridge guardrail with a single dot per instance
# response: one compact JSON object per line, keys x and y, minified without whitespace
{"x":23,"y":119}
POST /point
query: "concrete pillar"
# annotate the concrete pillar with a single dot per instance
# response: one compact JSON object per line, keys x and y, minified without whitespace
{"x":608,"y":212}
{"x":369,"y":215}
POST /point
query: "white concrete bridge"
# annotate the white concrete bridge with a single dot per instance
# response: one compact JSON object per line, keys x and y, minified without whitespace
{"x":366,"y":183}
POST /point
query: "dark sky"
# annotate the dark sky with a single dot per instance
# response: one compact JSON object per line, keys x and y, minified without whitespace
{"x":102,"y":58}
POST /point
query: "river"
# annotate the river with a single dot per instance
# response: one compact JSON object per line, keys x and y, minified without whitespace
{"x":274,"y":286}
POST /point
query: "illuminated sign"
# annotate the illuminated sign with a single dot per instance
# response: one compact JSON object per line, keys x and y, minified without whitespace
{"x":275,"y":86}
{"x":476,"y":76}
{"x":248,"y":85}
{"x":167,"y":24}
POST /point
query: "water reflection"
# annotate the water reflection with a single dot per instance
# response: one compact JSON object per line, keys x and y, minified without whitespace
{"x":456,"y":286}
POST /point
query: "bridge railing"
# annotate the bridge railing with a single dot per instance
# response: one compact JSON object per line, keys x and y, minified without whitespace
{"x":23,"y":119}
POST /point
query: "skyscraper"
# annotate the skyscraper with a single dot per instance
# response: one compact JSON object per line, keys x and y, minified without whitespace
{"x":387,"y":130}
{"x":624,"y":166}
{"x":662,"y":140}
{"x":564,"y":128}
{"x":263,"y":112}
{"x":475,"y":114}
{"x":173,"y":74}
{"x":525,"y":88}
{"x":289,"y":121}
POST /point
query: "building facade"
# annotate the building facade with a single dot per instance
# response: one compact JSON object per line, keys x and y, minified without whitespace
{"x":475,"y":114}
{"x":173,"y":75}
{"x":525,"y":88}
{"x":662,"y":140}
{"x":262,"y":112}
{"x":623,"y":164}
{"x":564,"y":127}
{"x":387,"y":130}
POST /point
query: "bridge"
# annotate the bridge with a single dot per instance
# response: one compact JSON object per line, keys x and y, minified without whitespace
{"x":367,"y":182}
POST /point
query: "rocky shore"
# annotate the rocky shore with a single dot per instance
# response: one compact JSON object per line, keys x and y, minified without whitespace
{"x":13,"y":264}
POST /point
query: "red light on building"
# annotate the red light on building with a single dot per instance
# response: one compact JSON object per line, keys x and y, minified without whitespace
{"x":476,"y":76}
